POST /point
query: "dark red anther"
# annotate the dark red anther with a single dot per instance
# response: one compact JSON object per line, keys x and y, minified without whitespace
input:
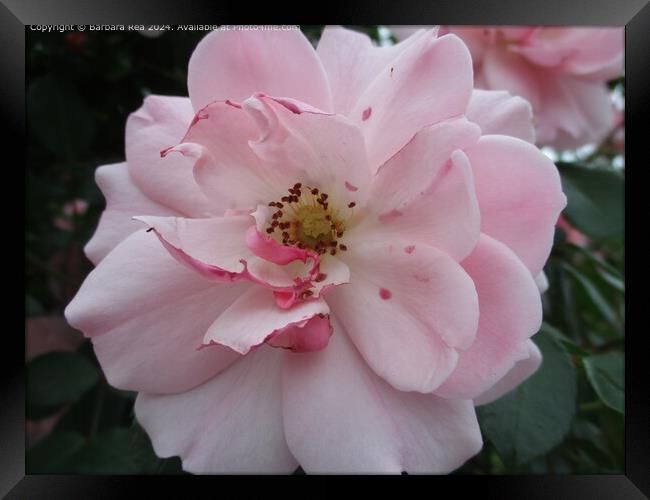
{"x":352,"y":204}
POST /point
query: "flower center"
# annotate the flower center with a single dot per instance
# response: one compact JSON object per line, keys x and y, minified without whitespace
{"x":306,"y":219}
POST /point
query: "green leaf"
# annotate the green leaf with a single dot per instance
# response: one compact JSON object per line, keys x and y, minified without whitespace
{"x":595,"y":200}
{"x":59,"y":118}
{"x":108,"y":453}
{"x":50,"y":454}
{"x":33,"y":307}
{"x":121,"y":451}
{"x":594,"y":295}
{"x":57,"y":378}
{"x":615,"y":282}
{"x":569,"y":345}
{"x":535,"y":417}
{"x":142,"y":451}
{"x":606,"y":374}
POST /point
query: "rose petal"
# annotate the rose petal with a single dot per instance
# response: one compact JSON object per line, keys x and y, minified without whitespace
{"x":158,"y":124}
{"x":313,"y":336}
{"x":225,"y":166}
{"x":147,"y":315}
{"x":407,"y":312}
{"x":511,"y":312}
{"x":575,"y":112}
{"x":352,"y":62}
{"x":313,"y":148}
{"x":519,"y":194}
{"x":425,"y":193}
{"x":123,"y":201}
{"x":504,"y":70}
{"x":215,"y":247}
{"x":431,"y":81}
{"x":519,"y":373}
{"x":255,"y":318}
{"x":230,"y":424}
{"x":236,"y":63}
{"x":542,"y":282}
{"x":498,"y":112}
{"x":341,"y":418}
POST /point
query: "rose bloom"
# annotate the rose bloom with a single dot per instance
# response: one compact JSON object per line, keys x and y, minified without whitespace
{"x":562,"y":72}
{"x":322,"y":258}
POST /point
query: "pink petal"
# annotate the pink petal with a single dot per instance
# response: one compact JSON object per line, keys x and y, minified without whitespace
{"x":313,"y":336}
{"x":225,"y":166}
{"x":594,"y":53}
{"x":425,"y":193}
{"x":230,"y":424}
{"x":234,"y":64}
{"x":313,"y":148}
{"x":255,"y":318}
{"x":498,"y":112}
{"x":505,"y":70}
{"x":158,"y":124}
{"x":519,"y":373}
{"x":429,"y":82}
{"x":407,"y":313}
{"x":221,"y":249}
{"x":352,"y":62}
{"x":215,"y":247}
{"x":123,"y":201}
{"x":146,"y":315}
{"x":477,"y":39}
{"x":511,"y":312}
{"x":269,"y":249}
{"x":519,"y":194}
{"x":575,"y":112}
{"x":542,"y":282}
{"x":341,"y":418}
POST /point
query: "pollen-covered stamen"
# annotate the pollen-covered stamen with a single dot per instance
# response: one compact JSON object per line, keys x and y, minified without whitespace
{"x":306,"y":219}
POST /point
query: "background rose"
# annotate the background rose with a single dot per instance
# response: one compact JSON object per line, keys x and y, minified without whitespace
{"x":561,"y":71}
{"x":114,"y":438}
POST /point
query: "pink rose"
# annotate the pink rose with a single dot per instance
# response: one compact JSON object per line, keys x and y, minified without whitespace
{"x":561,"y":71}
{"x":356,"y":206}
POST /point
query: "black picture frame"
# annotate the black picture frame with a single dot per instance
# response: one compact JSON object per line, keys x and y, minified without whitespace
{"x":16,"y":15}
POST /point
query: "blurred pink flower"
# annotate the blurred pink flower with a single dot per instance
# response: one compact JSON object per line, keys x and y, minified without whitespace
{"x":345,"y":204}
{"x":70,"y":210}
{"x":562,"y":72}
{"x":572,"y":234}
